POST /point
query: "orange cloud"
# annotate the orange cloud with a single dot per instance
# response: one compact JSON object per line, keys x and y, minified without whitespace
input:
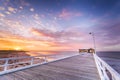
{"x":37,"y":33}
{"x":11,"y":9}
{"x":13,"y":42}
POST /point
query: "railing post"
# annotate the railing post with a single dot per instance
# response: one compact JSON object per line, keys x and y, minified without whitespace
{"x":6,"y":64}
{"x":32,"y":59}
{"x":45,"y":59}
{"x":105,"y":73}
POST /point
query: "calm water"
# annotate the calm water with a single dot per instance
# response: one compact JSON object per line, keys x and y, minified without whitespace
{"x":115,"y":55}
{"x":112,"y":58}
{"x":49,"y":54}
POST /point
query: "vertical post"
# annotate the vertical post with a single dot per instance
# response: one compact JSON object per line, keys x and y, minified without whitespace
{"x":93,"y":40}
{"x":32,"y":58}
{"x":45,"y":59}
{"x":6,"y":64}
{"x":105,"y":73}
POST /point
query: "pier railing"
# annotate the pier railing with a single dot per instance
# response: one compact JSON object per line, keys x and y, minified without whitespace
{"x":8,"y":65}
{"x":105,"y":71}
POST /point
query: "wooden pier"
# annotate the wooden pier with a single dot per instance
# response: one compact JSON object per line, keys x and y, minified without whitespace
{"x":81,"y":67}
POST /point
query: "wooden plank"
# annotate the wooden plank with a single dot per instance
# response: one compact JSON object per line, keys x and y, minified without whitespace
{"x":80,"y":67}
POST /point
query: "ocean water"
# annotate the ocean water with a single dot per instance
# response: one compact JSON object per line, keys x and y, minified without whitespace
{"x":103,"y":55}
{"x":112,"y":58}
{"x":115,"y":55}
{"x":5,"y":54}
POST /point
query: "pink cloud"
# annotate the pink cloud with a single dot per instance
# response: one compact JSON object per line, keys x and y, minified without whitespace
{"x":57,"y":34}
{"x":65,"y":14}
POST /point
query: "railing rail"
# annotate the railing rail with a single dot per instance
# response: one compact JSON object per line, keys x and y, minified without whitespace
{"x":19,"y":63}
{"x":105,"y":71}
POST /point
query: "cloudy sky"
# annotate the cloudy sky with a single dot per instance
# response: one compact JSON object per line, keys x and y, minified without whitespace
{"x":59,"y":24}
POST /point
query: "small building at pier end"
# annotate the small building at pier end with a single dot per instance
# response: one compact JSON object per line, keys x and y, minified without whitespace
{"x":91,"y":50}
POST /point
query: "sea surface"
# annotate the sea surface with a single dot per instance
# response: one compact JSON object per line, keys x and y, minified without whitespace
{"x":112,"y":58}
{"x":5,"y":54}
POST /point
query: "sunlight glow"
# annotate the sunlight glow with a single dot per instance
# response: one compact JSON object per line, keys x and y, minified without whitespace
{"x":17,"y":48}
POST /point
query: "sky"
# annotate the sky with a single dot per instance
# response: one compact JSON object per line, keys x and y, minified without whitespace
{"x":59,"y":24}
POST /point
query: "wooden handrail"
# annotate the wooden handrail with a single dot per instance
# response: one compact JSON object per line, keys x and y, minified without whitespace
{"x":106,"y":72}
{"x":32,"y":60}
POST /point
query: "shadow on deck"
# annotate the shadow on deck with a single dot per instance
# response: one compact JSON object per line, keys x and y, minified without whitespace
{"x":81,"y":67}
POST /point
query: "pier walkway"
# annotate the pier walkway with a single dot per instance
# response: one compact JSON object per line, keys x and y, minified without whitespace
{"x":80,"y":67}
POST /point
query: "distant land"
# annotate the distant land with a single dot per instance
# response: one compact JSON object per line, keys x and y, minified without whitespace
{"x":12,"y":53}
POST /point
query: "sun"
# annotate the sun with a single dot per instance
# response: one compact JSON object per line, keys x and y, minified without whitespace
{"x":17,"y":48}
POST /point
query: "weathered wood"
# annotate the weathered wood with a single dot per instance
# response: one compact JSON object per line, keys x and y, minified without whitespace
{"x":80,"y":67}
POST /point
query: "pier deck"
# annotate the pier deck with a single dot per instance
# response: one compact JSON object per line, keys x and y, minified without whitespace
{"x":81,"y":67}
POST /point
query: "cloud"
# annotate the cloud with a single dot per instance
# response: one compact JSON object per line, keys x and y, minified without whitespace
{"x":11,"y":9}
{"x":21,"y":7}
{"x":65,"y":14}
{"x":24,"y":44}
{"x":24,"y":3}
{"x":2,"y":8}
{"x":65,"y":36}
{"x":107,"y":33}
{"x":43,"y":32}
{"x":11,"y":41}
{"x":2,"y":15}
{"x":31,"y":9}
{"x":14,"y":27}
{"x":7,"y":12}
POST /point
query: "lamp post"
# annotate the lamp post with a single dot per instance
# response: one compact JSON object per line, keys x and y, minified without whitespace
{"x":91,"y":33}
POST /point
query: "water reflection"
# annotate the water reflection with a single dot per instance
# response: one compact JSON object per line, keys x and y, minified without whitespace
{"x":13,"y":53}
